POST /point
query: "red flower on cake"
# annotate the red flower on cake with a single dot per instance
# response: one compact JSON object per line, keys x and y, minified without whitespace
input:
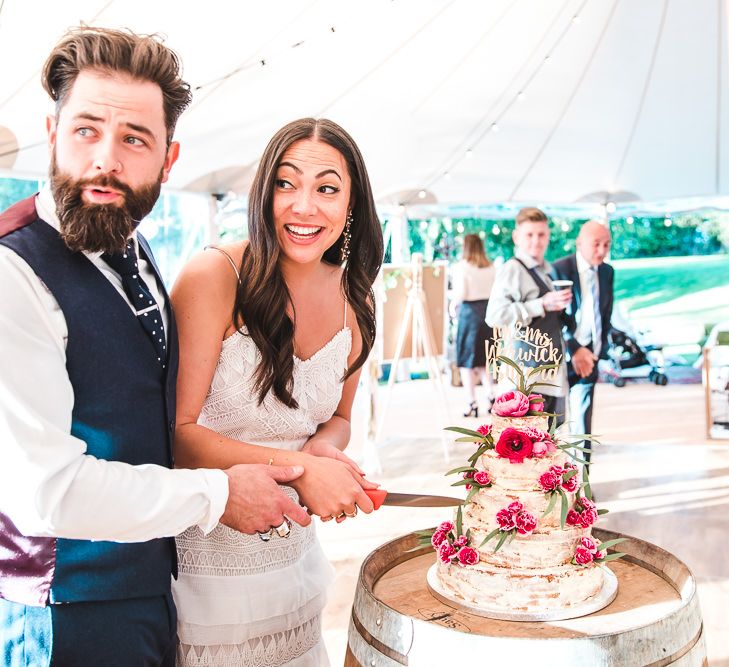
{"x":482,"y":478}
{"x":588,"y":543}
{"x":446,"y":526}
{"x":461,"y":541}
{"x":511,"y":404}
{"x":445,"y":551}
{"x":583,"y":556}
{"x":438,"y":537}
{"x":600,"y":555}
{"x":484,"y":429}
{"x":550,"y":480}
{"x":573,"y":482}
{"x":536,"y":403}
{"x":506,"y":520}
{"x":573,"y":518}
{"x":468,"y":556}
{"x":525,"y":523}
{"x":514,"y":445}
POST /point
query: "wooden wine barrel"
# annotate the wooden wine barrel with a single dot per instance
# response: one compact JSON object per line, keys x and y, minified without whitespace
{"x":655,"y":619}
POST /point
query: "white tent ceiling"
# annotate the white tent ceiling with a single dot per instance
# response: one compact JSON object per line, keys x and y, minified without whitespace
{"x":618,"y":95}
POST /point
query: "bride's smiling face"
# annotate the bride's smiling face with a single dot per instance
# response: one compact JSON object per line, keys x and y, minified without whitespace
{"x":311,"y":199}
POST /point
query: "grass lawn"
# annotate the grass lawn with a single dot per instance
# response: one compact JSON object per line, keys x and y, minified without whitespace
{"x":673,"y":294}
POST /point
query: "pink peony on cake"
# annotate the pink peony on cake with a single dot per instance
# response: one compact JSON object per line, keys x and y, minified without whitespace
{"x":522,"y":541}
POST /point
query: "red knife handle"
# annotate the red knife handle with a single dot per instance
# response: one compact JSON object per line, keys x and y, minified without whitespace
{"x":377,"y":496}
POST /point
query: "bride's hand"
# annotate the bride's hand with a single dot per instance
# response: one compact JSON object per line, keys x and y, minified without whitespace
{"x":330,"y":487}
{"x":323,"y":448}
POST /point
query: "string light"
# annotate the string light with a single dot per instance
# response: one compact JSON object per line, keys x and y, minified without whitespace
{"x":610,"y":207}
{"x":667,"y":221}
{"x":565,"y":226}
{"x":422,"y":194}
{"x":496,"y":230}
{"x":630,"y":220}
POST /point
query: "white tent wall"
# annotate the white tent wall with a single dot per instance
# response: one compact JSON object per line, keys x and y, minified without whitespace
{"x":633,"y":96}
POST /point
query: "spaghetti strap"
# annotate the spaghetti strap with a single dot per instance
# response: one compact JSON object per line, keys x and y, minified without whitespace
{"x":345,"y":314}
{"x":230,"y":259}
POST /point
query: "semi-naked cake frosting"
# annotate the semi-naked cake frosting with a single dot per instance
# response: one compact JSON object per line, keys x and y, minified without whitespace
{"x":540,"y":565}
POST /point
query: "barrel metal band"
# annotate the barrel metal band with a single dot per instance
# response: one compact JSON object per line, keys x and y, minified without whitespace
{"x":376,"y":643}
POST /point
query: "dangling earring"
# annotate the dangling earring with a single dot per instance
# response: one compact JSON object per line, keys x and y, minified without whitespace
{"x":347,"y":236}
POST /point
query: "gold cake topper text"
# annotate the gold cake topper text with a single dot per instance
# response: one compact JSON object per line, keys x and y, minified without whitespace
{"x":527,"y":347}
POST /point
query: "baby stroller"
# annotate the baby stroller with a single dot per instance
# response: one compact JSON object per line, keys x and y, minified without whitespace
{"x":629,"y":361}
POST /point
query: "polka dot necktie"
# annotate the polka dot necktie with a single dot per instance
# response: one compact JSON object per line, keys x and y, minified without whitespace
{"x":145,"y":306}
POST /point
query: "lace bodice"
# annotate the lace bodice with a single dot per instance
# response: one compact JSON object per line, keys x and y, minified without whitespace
{"x":242,"y":601}
{"x":231,"y":407}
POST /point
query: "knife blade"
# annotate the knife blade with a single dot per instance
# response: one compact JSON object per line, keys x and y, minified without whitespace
{"x":381,"y":497}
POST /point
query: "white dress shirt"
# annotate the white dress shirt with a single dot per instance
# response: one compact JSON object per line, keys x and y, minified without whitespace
{"x":584,"y":316}
{"x":49,"y":486}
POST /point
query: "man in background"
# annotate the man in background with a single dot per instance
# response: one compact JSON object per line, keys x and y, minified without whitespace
{"x":523,"y":293}
{"x":587,"y":320}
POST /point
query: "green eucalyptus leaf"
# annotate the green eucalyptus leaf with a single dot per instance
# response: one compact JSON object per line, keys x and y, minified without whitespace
{"x":564,"y":507}
{"x":472,"y":493}
{"x":602,"y":511}
{"x":613,"y":556}
{"x":552,"y":503}
{"x":459,"y":521}
{"x":460,"y":469}
{"x":611,"y":543}
{"x":464,"y":431}
{"x":461,"y":482}
{"x":501,"y":541}
{"x":490,"y":536}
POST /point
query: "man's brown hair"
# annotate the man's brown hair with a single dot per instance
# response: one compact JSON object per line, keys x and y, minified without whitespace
{"x":142,"y":57}
{"x":530,"y":214}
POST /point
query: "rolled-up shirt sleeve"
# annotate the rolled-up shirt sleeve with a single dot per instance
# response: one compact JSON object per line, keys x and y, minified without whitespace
{"x":513,"y":299}
{"x":49,"y":486}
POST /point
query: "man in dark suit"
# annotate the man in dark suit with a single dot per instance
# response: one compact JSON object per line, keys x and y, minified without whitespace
{"x":587,"y":319}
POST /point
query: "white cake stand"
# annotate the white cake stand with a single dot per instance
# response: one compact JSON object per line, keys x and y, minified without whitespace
{"x":599,"y":601}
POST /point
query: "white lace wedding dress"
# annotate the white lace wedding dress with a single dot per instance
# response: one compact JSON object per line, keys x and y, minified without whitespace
{"x":241,"y":601}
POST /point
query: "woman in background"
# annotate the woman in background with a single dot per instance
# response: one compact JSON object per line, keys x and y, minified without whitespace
{"x":473,"y":279}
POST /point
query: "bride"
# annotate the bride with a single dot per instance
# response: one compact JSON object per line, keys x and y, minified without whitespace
{"x":273,"y":334}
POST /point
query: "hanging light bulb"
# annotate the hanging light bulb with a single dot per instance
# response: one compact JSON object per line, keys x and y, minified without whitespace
{"x":496,"y":230}
{"x":667,"y":221}
{"x":630,"y":220}
{"x":422,"y":194}
{"x":610,"y":207}
{"x":565,"y":226}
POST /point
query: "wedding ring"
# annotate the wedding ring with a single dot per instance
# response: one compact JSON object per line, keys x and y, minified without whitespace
{"x":266,"y":536}
{"x":341,"y":516}
{"x":353,"y":514}
{"x":284,"y":530}
{"x":327,"y":518}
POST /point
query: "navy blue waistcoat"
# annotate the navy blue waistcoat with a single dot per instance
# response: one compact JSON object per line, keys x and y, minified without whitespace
{"x":124,"y":409}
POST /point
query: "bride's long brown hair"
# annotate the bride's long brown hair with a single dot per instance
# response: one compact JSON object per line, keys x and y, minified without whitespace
{"x":262,"y":297}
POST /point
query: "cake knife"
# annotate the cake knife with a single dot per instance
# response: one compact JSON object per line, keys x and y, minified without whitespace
{"x":381,"y":497}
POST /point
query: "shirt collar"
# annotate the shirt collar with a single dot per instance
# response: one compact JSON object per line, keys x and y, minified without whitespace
{"x":45,"y":207}
{"x":583,"y":266}
{"x":530,"y":262}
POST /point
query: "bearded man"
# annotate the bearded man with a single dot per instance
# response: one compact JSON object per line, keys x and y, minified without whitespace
{"x":88,"y":350}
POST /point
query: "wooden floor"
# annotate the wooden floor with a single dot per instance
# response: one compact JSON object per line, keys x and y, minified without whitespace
{"x":656,"y":472}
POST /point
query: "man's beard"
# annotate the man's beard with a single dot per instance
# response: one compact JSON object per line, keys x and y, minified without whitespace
{"x":99,"y":227}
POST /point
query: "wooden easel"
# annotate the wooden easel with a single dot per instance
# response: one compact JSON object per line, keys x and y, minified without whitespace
{"x":416,"y":317}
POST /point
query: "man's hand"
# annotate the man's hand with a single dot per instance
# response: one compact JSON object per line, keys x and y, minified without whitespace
{"x":255,"y":500}
{"x":557,"y":300}
{"x":583,"y":361}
